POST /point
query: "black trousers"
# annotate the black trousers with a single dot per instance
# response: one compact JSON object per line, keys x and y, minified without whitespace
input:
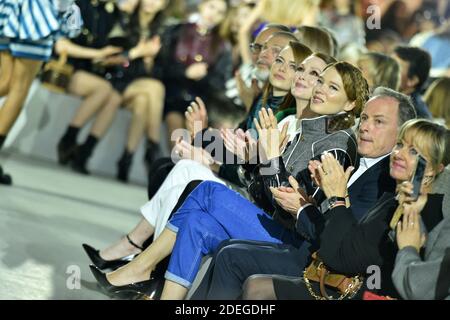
{"x":236,"y":260}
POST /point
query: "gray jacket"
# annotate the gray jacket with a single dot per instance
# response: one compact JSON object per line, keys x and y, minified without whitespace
{"x":427,"y":279}
{"x":442,"y":186}
{"x":312,"y":140}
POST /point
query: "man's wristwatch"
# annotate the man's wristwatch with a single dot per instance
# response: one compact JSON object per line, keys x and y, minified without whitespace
{"x":336,"y":200}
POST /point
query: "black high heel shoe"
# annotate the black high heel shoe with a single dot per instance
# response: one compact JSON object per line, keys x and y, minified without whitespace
{"x":143,"y":289}
{"x":102,"y":264}
{"x":5,"y":179}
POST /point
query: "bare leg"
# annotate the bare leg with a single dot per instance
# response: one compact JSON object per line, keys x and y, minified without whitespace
{"x":123,"y":248}
{"x":6,"y":68}
{"x":173,"y":291}
{"x":24,"y":71}
{"x":259,"y":287}
{"x":141,"y":267}
{"x":155,"y":92}
{"x":106,"y":115}
{"x":174,"y":121}
{"x":94,"y":90}
{"x":156,"y":95}
{"x":138,"y":106}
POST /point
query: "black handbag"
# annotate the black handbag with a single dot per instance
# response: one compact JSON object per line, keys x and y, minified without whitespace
{"x":266,"y":202}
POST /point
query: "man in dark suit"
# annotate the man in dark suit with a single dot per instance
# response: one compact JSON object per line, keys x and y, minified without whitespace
{"x":236,"y":260}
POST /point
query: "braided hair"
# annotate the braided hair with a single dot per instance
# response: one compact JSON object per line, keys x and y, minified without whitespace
{"x":357,"y":90}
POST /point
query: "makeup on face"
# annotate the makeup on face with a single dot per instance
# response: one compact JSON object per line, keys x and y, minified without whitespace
{"x":403,"y":159}
{"x":306,"y":76}
{"x":329,"y":96}
{"x":212,"y":12}
{"x":283,"y":70}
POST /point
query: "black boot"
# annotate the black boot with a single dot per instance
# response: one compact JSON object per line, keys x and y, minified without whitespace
{"x":152,"y":153}
{"x":5,"y":179}
{"x":67,"y":145}
{"x":124,"y":165}
{"x":82,"y":155}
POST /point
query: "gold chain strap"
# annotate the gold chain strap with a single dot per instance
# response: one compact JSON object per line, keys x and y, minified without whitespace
{"x":351,"y":290}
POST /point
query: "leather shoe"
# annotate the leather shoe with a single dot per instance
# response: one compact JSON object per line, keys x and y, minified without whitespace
{"x":5,"y":179}
{"x":143,"y":288}
{"x":102,"y":264}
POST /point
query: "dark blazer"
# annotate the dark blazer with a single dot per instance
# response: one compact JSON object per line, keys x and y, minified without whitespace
{"x":369,"y":187}
{"x":349,"y":247}
{"x":364,"y":194}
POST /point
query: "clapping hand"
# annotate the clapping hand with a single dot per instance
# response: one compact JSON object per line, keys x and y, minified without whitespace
{"x":271,"y":140}
{"x":332,"y":177}
{"x":239,"y":143}
{"x":313,"y":168}
{"x":291,"y":199}
{"x":184,"y":150}
{"x":196,"y":117}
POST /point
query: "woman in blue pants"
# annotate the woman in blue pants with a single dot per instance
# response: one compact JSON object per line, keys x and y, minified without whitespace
{"x":212,"y":213}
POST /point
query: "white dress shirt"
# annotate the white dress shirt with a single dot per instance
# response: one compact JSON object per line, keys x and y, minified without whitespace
{"x":364,"y":165}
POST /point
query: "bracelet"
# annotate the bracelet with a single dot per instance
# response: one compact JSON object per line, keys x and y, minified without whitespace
{"x":338,"y":204}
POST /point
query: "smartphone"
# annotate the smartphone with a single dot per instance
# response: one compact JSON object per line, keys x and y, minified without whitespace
{"x":417,"y":178}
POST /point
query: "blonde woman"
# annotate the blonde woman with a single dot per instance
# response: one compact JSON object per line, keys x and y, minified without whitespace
{"x":437,"y":98}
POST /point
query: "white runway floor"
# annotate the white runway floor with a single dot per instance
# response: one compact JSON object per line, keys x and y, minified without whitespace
{"x":45,"y":217}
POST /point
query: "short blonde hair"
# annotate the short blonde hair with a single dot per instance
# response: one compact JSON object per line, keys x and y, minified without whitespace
{"x":437,"y":98}
{"x":288,"y":12}
{"x":432,"y":139}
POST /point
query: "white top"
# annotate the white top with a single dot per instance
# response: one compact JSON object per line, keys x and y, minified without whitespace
{"x":364,"y":165}
{"x":292,"y":128}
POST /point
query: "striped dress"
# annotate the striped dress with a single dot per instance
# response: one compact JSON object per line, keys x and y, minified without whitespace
{"x":29,"y":28}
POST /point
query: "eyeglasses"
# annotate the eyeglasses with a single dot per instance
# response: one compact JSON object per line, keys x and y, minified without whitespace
{"x":255,"y":47}
{"x":274,"y":49}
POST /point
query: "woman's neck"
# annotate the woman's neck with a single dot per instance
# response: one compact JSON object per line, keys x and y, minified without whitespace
{"x":278,"y":93}
{"x":343,"y":11}
{"x":145,"y":18}
{"x":202,"y":27}
{"x":303,"y":109}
